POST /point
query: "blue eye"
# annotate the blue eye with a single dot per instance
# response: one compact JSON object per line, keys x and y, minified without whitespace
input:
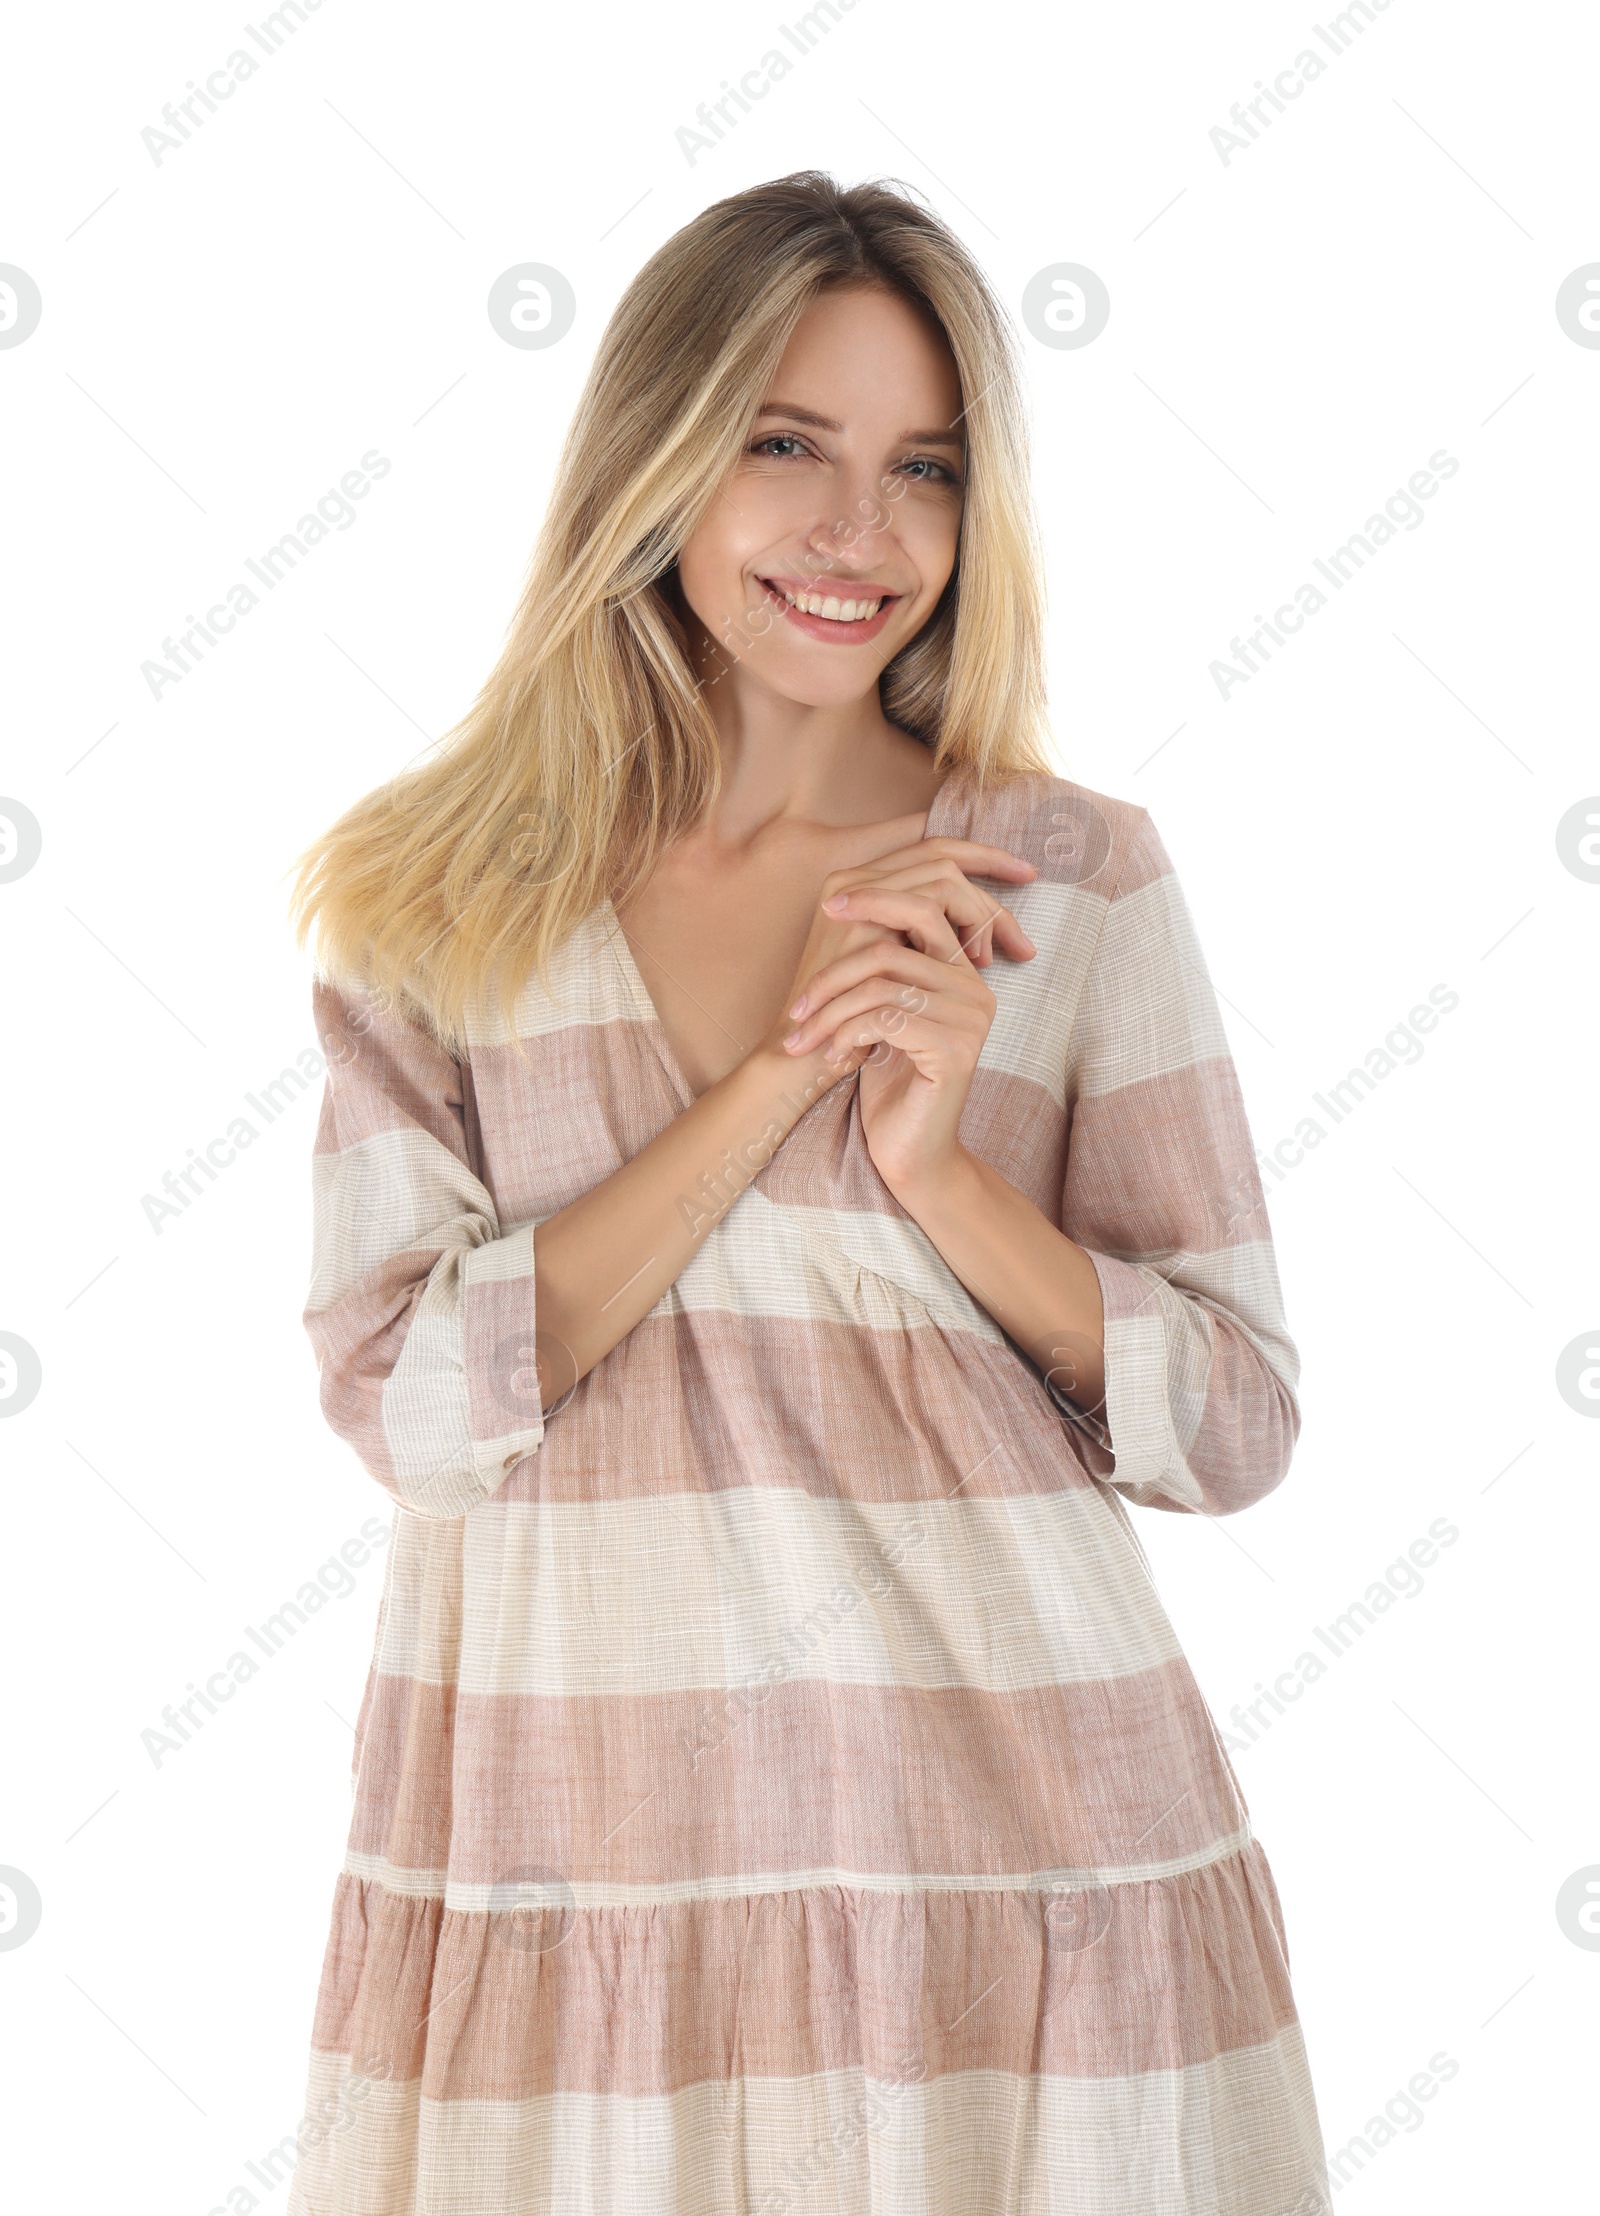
{"x":946,"y":475}
{"x":777,"y":438}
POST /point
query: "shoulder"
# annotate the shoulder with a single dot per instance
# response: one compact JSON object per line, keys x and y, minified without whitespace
{"x":1071,"y":834}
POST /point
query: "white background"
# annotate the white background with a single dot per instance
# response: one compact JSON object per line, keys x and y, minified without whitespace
{"x":1292,"y":334}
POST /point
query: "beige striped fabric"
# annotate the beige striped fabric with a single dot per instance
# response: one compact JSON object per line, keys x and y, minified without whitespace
{"x":778,"y":1786}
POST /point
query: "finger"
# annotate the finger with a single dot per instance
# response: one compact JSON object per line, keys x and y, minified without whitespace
{"x":840,"y":1060}
{"x":982,"y":921}
{"x":979,"y":859}
{"x":918,"y":915}
{"x":929,"y":923}
{"x":843,"y":1058}
{"x":880,"y":1009}
{"x":909,"y":982}
{"x":972,"y":911}
{"x":971,"y":856}
{"x":932,"y":1046}
{"x":987,"y":923}
{"x":888,"y":960}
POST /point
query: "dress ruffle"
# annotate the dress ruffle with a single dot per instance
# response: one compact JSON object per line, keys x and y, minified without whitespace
{"x":668,"y":2033}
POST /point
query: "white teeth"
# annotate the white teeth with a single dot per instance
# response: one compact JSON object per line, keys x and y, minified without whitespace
{"x":835,"y":610}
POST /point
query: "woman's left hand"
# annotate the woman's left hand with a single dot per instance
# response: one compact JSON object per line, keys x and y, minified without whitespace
{"x":928,"y":1009}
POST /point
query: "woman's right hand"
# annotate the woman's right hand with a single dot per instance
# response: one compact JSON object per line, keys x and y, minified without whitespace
{"x":602,"y":1262}
{"x":934,"y":870}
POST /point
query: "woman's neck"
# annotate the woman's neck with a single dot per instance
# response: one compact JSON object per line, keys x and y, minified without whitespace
{"x":836,"y":764}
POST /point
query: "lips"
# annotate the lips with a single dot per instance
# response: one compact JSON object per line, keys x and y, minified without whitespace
{"x":829,"y":613}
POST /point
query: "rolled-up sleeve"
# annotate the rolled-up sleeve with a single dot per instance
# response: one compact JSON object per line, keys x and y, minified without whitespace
{"x":421,"y":1308}
{"x":1162,"y":1190}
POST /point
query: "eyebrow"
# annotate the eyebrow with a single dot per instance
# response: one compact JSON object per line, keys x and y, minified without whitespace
{"x":946,"y":437}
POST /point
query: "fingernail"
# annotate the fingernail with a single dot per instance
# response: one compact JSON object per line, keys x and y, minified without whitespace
{"x":799,"y":1007}
{"x":835,"y":902}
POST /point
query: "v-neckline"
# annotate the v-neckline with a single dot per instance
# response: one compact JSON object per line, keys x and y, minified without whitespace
{"x":639,"y":991}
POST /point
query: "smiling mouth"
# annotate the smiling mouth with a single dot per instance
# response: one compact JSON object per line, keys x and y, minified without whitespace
{"x":856,"y":611}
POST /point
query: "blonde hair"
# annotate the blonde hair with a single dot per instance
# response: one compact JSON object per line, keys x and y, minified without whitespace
{"x":589,"y":748}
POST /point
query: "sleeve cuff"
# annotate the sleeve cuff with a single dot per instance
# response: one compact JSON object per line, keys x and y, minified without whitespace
{"x":1134,"y":1422}
{"x":500,"y":1351}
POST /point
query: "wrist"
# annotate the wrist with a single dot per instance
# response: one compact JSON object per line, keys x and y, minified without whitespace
{"x":781,"y":1087}
{"x":936,"y":1185}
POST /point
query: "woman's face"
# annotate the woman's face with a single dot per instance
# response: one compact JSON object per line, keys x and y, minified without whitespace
{"x":829,"y":545}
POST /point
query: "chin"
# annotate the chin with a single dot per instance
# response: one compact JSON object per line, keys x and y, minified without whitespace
{"x":808,"y":690}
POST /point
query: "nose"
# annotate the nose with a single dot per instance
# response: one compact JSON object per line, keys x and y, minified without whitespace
{"x":851,"y":537}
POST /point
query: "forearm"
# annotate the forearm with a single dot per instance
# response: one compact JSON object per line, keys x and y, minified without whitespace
{"x":603,"y":1262}
{"x":1038,"y":1284}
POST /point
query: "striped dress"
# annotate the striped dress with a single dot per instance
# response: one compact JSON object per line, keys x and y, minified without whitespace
{"x":778,"y":1786}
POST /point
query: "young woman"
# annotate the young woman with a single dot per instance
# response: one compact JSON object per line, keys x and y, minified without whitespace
{"x":781,"y":1188}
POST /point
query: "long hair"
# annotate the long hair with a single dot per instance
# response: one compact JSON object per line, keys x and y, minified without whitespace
{"x":589,"y":748}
